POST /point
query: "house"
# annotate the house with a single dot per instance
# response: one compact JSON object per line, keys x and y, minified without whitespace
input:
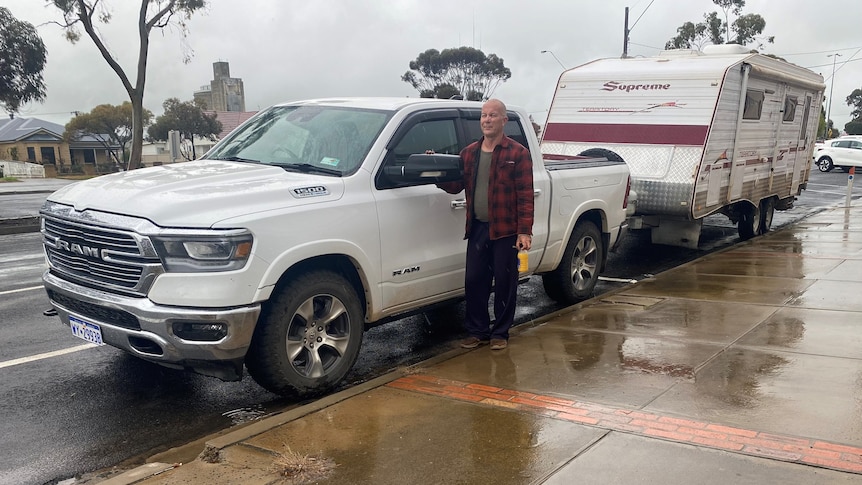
{"x":38,"y":141}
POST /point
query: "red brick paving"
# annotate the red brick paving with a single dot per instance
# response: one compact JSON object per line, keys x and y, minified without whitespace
{"x":699,"y":433}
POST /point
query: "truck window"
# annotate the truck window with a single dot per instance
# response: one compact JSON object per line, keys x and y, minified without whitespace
{"x":332,"y":138}
{"x":513,"y":129}
{"x":438,"y":135}
{"x":753,"y":105}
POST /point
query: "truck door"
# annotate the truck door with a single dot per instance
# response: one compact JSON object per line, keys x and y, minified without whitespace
{"x":422,"y":236}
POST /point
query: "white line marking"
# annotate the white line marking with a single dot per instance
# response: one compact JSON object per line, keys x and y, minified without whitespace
{"x":19,"y":290}
{"x":46,"y":355}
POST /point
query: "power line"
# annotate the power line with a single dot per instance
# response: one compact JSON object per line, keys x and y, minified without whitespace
{"x":641,"y":15}
{"x":842,"y":64}
{"x":648,"y":46}
{"x":821,"y":52}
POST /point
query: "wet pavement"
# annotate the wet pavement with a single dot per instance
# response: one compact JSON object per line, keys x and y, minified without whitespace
{"x":744,"y":366}
{"x":20,"y":202}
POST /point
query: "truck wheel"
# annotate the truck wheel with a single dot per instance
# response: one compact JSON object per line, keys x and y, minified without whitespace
{"x":749,"y":222}
{"x":601,"y":152}
{"x":575,"y":278}
{"x":308,"y":336}
{"x":767,"y":211}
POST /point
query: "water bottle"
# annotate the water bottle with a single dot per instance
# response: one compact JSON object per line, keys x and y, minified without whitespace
{"x":523,"y":261}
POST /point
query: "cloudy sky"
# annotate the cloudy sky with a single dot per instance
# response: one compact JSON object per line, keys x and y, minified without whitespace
{"x":288,"y":50}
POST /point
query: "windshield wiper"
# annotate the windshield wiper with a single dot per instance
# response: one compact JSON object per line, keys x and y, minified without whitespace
{"x":309,"y":168}
{"x":237,"y":159}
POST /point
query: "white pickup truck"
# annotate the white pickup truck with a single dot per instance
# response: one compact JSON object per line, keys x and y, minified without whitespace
{"x":300,"y":229}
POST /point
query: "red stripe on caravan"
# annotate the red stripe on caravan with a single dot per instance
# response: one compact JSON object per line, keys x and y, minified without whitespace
{"x":639,"y":134}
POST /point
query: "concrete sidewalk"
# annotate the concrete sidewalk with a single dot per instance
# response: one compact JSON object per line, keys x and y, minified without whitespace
{"x":744,"y":366}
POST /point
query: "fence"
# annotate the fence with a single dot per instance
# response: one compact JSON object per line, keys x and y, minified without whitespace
{"x":21,"y":169}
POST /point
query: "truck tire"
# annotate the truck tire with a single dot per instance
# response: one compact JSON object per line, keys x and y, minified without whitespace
{"x":308,"y":336}
{"x":577,"y":274}
{"x":602,"y":152}
{"x":749,"y":221}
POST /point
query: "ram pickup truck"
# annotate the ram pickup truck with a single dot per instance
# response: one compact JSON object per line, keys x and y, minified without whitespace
{"x":307,"y":224}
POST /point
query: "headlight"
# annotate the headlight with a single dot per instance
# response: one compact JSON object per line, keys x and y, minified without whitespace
{"x":198,"y":254}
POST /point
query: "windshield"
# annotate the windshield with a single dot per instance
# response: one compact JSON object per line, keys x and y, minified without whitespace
{"x":305,"y":138}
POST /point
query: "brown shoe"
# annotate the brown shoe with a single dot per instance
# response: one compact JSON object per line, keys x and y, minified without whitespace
{"x":498,"y":344}
{"x":472,"y":343}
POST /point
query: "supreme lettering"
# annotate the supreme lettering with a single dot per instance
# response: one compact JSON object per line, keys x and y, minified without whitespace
{"x":618,"y":86}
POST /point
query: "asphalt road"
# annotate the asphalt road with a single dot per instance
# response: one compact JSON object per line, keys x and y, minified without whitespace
{"x":70,"y":408}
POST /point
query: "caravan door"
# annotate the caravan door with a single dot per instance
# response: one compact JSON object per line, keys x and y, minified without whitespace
{"x":802,"y":160}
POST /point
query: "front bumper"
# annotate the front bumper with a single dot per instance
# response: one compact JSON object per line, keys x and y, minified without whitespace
{"x":146,"y":330}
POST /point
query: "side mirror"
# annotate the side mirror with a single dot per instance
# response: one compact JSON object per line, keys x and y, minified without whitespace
{"x":427,"y":169}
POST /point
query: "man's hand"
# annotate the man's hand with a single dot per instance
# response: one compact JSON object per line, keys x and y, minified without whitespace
{"x":525,"y":241}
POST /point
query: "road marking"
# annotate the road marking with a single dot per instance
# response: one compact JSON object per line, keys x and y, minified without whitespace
{"x":618,"y":280}
{"x":19,"y":290}
{"x":15,"y":258}
{"x":46,"y":355}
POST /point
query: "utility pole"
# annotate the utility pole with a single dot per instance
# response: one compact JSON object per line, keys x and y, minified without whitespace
{"x":626,"y":35}
{"x":834,"y":57}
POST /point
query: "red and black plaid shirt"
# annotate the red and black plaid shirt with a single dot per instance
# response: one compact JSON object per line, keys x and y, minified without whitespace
{"x":510,"y":188}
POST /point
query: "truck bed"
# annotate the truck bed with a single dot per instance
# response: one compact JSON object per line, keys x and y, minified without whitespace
{"x":565,"y":162}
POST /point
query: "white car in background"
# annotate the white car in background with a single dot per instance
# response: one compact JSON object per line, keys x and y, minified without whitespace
{"x":842,"y":152}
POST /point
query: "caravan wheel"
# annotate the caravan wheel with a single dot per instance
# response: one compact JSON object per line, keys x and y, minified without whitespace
{"x":749,"y":221}
{"x":767,"y":211}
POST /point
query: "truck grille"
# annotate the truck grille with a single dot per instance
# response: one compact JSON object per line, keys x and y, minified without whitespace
{"x":102,"y":257}
{"x":97,"y":312}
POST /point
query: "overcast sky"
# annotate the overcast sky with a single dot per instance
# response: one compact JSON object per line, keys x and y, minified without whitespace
{"x":287,"y":50}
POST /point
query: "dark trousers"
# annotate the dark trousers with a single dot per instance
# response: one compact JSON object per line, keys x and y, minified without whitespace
{"x":490,"y":263}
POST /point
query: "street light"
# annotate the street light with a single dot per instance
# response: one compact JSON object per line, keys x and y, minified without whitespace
{"x":555,"y":57}
{"x":831,"y":86}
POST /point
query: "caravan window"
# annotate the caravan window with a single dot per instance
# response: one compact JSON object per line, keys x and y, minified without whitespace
{"x":753,"y":105}
{"x":789,"y":108}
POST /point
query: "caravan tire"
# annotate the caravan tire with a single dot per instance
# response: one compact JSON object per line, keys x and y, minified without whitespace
{"x":767,"y":211}
{"x":749,"y":221}
{"x":602,"y":152}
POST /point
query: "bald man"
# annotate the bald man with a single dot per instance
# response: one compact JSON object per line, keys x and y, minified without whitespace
{"x":498,"y":186}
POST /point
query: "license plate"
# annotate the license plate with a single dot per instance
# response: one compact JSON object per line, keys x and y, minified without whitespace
{"x":86,"y":330}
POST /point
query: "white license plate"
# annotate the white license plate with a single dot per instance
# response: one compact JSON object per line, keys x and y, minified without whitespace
{"x":86,"y":330}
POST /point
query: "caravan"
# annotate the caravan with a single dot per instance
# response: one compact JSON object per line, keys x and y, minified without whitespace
{"x":720,"y":131}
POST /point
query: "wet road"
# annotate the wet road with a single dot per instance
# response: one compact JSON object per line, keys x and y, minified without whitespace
{"x":96,"y":407}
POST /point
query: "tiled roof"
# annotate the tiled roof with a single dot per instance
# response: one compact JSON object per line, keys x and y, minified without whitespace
{"x":20,"y":128}
{"x":230,"y":119}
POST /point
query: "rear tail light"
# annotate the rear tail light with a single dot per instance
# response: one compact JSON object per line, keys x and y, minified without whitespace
{"x":628,"y":190}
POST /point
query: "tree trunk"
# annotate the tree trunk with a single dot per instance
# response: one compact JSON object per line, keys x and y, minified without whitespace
{"x":137,"y":130}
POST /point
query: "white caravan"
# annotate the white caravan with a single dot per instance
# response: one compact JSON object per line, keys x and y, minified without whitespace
{"x":719,"y":131}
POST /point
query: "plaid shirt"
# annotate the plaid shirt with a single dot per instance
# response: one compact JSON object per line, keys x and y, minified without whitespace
{"x":510,"y":188}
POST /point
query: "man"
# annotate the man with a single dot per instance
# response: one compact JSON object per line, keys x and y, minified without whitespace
{"x":498,"y":185}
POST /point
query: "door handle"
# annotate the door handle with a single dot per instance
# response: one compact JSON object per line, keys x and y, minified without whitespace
{"x":459,"y":204}
{"x":537,"y":192}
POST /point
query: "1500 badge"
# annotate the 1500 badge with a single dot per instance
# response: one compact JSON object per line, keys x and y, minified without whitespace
{"x":314,"y":191}
{"x":399,"y":272}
